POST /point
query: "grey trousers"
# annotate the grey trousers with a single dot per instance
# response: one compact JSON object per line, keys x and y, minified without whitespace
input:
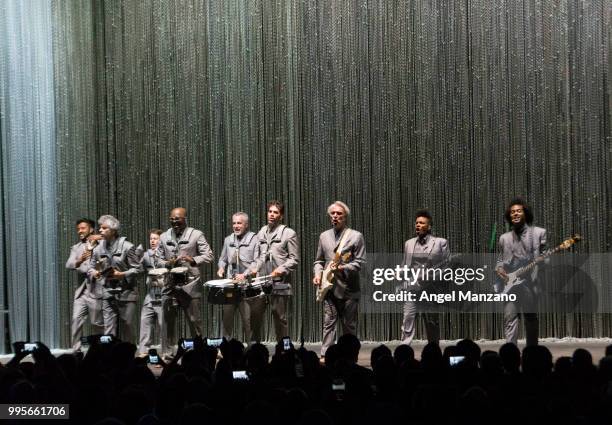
{"x":150,"y":316}
{"x":257,"y":307}
{"x":83,"y":307}
{"x":115,"y":311}
{"x":527,"y":303}
{"x":193,"y":316}
{"x":333,"y":309}
{"x":279,"y":304}
{"x":432,"y":325}
{"x":246,"y":307}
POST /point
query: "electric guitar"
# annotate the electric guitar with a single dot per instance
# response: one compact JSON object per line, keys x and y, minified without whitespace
{"x":329,"y":277}
{"x":516,"y":277}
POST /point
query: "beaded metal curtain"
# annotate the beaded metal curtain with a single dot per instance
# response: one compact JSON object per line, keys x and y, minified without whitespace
{"x":29,"y":293}
{"x":219,"y":106}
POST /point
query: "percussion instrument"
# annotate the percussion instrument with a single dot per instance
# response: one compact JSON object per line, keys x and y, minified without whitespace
{"x":256,"y":287}
{"x":179,"y":275}
{"x":158,"y":278}
{"x":105,"y":268}
{"x":223,"y":291}
{"x":231,"y":291}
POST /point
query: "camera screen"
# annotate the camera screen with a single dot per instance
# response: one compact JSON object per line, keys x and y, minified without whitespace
{"x":30,"y":346}
{"x":105,"y":339}
{"x":187,"y":344}
{"x":214,"y":342}
{"x":240,"y":375}
{"x":455,"y":360}
{"x":153,"y":359}
{"x":286,"y":343}
{"x":338,"y":385}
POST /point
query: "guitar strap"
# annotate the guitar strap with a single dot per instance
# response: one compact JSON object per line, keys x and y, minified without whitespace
{"x":345,"y":234}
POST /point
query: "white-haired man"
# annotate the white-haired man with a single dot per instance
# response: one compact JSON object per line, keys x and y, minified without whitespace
{"x":343,"y":250}
{"x":240,"y":250}
{"x":115,"y":263}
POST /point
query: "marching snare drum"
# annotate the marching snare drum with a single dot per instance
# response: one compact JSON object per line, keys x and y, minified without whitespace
{"x":252,"y":290}
{"x":223,"y":291}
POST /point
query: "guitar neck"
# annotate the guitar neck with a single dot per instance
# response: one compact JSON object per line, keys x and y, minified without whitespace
{"x":531,"y":265}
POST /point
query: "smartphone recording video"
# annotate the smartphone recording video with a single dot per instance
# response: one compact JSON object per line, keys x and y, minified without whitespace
{"x":455,"y":360}
{"x":286,"y":343}
{"x":214,"y":342}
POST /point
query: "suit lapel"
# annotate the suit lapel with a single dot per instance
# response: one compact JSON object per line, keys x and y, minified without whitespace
{"x":411,"y":245}
{"x":430,"y":245}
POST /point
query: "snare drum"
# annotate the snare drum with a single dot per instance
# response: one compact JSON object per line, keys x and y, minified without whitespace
{"x":251,"y":291}
{"x":179,"y":275}
{"x":223,"y":291}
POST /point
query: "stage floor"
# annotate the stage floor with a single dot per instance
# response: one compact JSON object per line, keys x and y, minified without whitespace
{"x":558,"y":347}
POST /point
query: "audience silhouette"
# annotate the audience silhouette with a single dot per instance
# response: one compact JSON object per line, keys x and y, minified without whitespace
{"x":233,"y":385}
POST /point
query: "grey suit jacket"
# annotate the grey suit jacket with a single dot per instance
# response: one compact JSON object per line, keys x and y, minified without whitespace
{"x":347,"y":282}
{"x":123,"y":257}
{"x":246,"y":249}
{"x":87,"y":287}
{"x":192,"y":243}
{"x":150,"y":260}
{"x":278,"y":249}
{"x":436,"y":249}
{"x":536,"y":243}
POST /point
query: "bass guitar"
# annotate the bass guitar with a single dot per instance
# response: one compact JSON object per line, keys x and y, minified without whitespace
{"x":515,"y":278}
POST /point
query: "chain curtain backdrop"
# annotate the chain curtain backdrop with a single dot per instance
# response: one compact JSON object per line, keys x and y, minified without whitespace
{"x":219,"y":106}
{"x":29,"y":261}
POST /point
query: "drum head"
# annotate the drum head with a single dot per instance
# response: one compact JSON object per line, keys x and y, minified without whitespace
{"x":179,"y":270}
{"x":158,"y":272}
{"x":220,"y":283}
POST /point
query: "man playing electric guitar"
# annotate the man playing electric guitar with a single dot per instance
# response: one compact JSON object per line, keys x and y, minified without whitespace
{"x":343,"y":251}
{"x":518,"y":247}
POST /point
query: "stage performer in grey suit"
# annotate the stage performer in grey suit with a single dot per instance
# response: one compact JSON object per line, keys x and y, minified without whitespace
{"x":151,"y":313}
{"x":88,"y":296}
{"x":343,"y":250}
{"x":240,"y":250}
{"x":115,"y":264}
{"x":279,"y":256}
{"x":517,"y":247}
{"x":423,"y":251}
{"x":182,"y":246}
